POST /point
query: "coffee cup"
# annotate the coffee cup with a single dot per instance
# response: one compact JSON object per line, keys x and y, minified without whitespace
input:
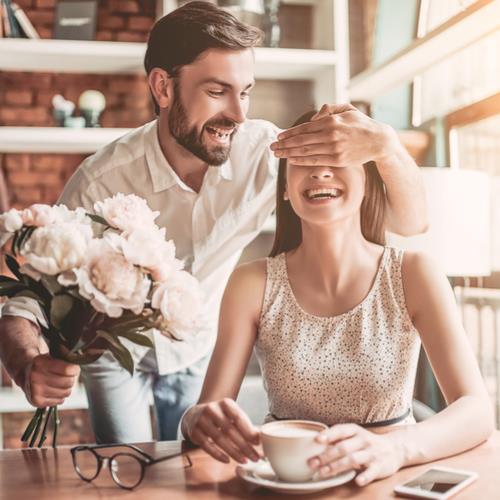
{"x":289,"y":444}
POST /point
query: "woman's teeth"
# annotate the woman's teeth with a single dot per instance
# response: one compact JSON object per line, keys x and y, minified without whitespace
{"x":323,"y":193}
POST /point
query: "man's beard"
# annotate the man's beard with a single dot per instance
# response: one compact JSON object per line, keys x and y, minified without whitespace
{"x":189,"y":138}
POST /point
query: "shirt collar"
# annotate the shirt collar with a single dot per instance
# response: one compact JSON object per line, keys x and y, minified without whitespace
{"x":162,"y":174}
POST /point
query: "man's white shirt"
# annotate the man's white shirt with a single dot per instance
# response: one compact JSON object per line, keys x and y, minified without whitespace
{"x":209,"y":228}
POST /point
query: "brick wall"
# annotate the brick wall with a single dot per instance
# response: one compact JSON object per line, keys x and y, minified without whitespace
{"x":25,"y":100}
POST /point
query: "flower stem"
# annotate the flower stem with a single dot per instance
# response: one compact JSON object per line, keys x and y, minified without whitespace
{"x":31,"y":425}
{"x":43,"y":437}
{"x":56,"y":427}
{"x":37,"y":427}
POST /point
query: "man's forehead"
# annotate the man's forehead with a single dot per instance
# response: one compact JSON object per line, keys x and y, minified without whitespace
{"x":232,"y":67}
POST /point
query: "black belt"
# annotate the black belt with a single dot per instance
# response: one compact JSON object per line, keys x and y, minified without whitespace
{"x":380,"y":423}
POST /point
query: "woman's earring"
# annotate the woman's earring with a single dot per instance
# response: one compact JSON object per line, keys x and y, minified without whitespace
{"x":285,"y":196}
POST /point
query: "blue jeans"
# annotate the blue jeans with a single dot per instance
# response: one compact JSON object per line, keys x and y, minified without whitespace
{"x":119,"y":404}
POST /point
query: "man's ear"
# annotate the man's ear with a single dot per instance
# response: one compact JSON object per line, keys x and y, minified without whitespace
{"x":161,"y":86}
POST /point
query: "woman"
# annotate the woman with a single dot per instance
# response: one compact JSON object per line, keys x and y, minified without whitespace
{"x":337,"y":319}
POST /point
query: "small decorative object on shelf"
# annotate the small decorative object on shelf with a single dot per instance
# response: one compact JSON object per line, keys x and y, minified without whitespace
{"x":97,"y":278}
{"x":75,"y":20}
{"x":91,"y":104}
{"x":247,"y":11}
{"x":271,"y":25}
{"x":63,"y":109}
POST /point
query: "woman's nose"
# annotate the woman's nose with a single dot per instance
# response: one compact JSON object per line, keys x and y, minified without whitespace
{"x":322,"y":173}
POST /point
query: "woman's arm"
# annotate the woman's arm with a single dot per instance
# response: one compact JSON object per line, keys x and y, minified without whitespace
{"x":468,"y":419}
{"x":465,"y":423}
{"x":217,"y":423}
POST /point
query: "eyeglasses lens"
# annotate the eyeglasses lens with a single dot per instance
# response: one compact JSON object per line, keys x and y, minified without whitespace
{"x":86,"y":464}
{"x":126,"y":470}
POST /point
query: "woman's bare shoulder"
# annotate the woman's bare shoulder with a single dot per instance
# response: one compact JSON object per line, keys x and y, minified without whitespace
{"x":245,"y":290}
{"x":250,"y":274}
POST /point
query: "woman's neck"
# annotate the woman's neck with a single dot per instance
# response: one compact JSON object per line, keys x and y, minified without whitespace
{"x":331,"y":256}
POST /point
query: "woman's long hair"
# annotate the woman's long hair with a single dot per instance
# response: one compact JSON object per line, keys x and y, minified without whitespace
{"x":288,"y":225}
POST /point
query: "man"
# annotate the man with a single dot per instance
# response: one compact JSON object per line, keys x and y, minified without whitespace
{"x":211,"y":174}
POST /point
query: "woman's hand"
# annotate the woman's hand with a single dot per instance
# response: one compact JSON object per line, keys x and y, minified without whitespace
{"x":353,"y":447}
{"x":223,"y":430}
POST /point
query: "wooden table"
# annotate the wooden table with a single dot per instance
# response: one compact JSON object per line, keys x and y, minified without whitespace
{"x":47,"y":473}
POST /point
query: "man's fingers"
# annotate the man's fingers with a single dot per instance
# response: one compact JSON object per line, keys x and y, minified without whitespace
{"x":304,"y":128}
{"x":55,"y":366}
{"x":51,"y":381}
{"x":334,"y":160}
{"x":49,"y":392}
{"x":40,"y":401}
{"x":308,"y":150}
{"x":64,"y":369}
{"x":330,"y":109}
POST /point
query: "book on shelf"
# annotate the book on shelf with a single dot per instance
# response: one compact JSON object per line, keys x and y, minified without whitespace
{"x":14,"y":22}
{"x":24,"y":22}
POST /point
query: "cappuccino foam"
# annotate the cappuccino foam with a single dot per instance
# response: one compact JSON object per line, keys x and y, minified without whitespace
{"x":289,"y":431}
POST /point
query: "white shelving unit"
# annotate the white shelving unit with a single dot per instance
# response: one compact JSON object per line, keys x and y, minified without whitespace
{"x":327,"y":66}
{"x":473,"y":23}
{"x":56,"y":139}
{"x":74,"y":56}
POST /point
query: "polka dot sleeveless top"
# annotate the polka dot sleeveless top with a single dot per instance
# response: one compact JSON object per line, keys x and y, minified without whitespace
{"x":357,"y":367}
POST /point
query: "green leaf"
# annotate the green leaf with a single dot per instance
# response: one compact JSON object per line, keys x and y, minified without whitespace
{"x":120,"y":352}
{"x":131,"y":324}
{"x":11,"y":289}
{"x":14,"y":243}
{"x":137,"y":338}
{"x":98,"y":219}
{"x":60,"y":307}
{"x":78,"y":357}
{"x":8,"y":279}
{"x":25,"y":235}
{"x":51,"y":285}
{"x":13,"y":265}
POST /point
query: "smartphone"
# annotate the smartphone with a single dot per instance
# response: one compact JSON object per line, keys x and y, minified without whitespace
{"x":437,"y":483}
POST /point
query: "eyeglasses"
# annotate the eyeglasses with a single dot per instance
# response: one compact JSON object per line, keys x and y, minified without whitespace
{"x":126,"y":469}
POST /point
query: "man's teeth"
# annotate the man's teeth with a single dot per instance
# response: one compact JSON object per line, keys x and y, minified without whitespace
{"x":323,"y":193}
{"x":221,"y":133}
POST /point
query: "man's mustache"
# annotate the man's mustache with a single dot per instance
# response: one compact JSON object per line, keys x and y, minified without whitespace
{"x":221,"y":123}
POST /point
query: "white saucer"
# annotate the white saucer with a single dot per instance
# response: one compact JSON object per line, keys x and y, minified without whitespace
{"x":261,"y":474}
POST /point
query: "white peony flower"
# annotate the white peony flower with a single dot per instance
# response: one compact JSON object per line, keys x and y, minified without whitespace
{"x":40,"y":215}
{"x":148,"y":249}
{"x":180,"y":301}
{"x":11,"y":221}
{"x":56,"y":248}
{"x":108,"y":280}
{"x":126,"y":212}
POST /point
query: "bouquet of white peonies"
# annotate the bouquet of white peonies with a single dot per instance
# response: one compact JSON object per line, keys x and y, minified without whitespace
{"x":98,"y":278}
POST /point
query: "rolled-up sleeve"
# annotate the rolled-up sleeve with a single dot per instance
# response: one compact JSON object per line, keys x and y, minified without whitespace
{"x":77,"y":193}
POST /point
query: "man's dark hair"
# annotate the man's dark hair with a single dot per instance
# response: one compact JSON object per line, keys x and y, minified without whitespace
{"x":180,"y":37}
